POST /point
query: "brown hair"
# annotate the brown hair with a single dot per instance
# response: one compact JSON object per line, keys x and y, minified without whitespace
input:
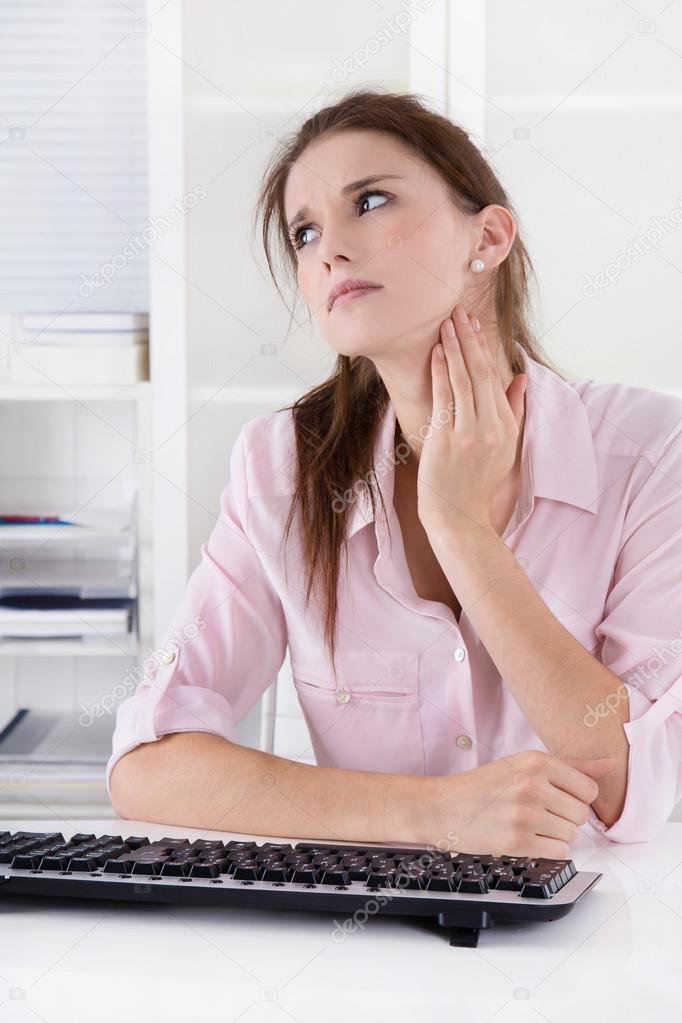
{"x":335,"y":423}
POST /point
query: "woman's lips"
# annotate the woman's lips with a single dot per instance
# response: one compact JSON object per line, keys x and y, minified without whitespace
{"x":355,"y":293}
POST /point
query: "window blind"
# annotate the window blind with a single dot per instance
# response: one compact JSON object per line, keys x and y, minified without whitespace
{"x":73,"y":175}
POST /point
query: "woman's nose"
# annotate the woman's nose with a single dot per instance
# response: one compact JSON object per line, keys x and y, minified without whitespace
{"x":337,"y":241}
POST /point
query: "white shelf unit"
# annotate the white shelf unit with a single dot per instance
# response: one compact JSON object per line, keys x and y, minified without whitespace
{"x":87,"y":446}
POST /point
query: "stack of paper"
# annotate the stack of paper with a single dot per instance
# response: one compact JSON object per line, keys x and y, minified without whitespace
{"x":82,"y":590}
{"x":81,"y":348}
{"x":85,"y":328}
{"x":17,"y":620}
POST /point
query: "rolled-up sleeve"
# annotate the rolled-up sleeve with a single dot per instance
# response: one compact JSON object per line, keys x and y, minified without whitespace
{"x":642,"y":644}
{"x":226,"y":641}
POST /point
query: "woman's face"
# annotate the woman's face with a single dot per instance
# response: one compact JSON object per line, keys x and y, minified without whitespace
{"x":405,"y":234}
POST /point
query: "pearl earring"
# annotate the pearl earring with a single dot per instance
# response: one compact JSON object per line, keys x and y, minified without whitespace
{"x":477,"y":265}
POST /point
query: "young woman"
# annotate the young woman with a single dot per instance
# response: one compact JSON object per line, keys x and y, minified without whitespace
{"x":474,"y":562}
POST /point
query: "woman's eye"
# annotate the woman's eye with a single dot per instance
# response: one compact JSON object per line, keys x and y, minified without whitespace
{"x":298,"y":244}
{"x":366,"y":196}
{"x":296,"y":239}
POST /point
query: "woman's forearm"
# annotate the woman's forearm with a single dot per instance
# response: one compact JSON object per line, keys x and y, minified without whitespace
{"x":200,"y":780}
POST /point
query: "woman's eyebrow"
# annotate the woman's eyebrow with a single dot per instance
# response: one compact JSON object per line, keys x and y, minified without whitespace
{"x":354,"y":186}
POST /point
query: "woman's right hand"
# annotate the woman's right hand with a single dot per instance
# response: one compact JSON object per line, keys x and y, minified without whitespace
{"x":526,"y":804}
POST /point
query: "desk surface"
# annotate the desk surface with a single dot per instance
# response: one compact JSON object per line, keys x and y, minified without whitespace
{"x":619,"y":950}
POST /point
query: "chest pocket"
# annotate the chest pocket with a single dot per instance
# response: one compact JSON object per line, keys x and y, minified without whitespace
{"x":368,"y":720}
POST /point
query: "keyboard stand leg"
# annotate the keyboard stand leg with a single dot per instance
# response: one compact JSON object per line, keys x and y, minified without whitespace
{"x":465,"y":925}
{"x":464,"y":937}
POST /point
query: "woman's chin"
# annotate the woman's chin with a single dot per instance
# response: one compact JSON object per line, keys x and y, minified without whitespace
{"x":353,"y":347}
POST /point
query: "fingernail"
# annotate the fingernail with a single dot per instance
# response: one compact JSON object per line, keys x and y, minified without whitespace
{"x":476,"y":323}
{"x":449,"y":328}
{"x":461,"y":314}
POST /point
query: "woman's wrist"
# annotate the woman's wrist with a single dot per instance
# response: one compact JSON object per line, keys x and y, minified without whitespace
{"x":419,"y":809}
{"x":444,"y":809}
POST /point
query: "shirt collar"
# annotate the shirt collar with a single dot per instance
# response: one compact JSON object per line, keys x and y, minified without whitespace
{"x":558,"y":460}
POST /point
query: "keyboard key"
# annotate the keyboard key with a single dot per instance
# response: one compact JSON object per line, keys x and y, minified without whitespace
{"x":379,"y":878}
{"x":202,"y":843}
{"x":315,"y":847}
{"x":333,"y":876}
{"x":442,"y":877}
{"x":148,"y":867}
{"x":282,"y":873}
{"x":305,"y":873}
{"x":519,"y":863}
{"x":382,"y":863}
{"x":247,"y":872}
{"x":540,"y":885}
{"x":200,"y":869}
{"x":134,"y":842}
{"x":473,"y":886}
{"x":29,"y":861}
{"x":505,"y":880}
{"x":111,"y":851}
{"x":118,"y":866}
{"x":325,"y":862}
{"x":441,"y":884}
{"x":234,"y":846}
{"x":41,"y":837}
{"x":536,"y":891}
{"x":408,"y":876}
{"x":357,"y":867}
{"x":175,"y":868}
{"x":55,"y":861}
{"x":12,"y":849}
{"x":280,"y":847}
{"x":82,"y":863}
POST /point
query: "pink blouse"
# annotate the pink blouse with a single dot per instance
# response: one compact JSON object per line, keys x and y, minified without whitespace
{"x":598,"y":528}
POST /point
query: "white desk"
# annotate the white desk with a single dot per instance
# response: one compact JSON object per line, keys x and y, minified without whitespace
{"x":617,"y":955}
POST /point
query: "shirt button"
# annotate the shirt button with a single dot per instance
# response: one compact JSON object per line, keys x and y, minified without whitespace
{"x":460,"y":653}
{"x":463,"y":742}
{"x":169,"y":657}
{"x":343,"y":696}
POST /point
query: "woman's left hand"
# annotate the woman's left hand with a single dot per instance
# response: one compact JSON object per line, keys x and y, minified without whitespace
{"x":470,"y":448}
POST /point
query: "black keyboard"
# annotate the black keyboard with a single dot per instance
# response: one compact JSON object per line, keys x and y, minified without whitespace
{"x":463,"y":891}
